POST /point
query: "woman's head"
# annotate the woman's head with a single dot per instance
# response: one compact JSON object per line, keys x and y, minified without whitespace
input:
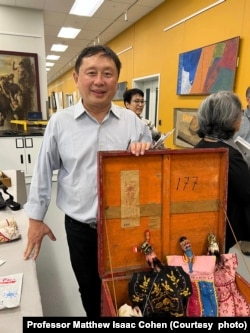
{"x":134,"y":100}
{"x":219,"y":115}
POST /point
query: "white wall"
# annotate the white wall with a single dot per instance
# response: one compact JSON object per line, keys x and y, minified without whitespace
{"x":22,"y":30}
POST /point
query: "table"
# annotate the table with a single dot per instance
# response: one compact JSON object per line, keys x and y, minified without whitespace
{"x":12,"y":253}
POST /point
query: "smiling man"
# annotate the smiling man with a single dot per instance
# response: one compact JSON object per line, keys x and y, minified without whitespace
{"x":71,"y":141}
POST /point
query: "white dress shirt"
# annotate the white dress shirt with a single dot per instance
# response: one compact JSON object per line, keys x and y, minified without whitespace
{"x":71,"y":141}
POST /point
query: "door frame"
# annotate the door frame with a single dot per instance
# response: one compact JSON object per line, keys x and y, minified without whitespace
{"x":152,"y":97}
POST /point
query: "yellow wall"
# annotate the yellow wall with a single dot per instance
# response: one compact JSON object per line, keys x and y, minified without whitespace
{"x":155,"y":51}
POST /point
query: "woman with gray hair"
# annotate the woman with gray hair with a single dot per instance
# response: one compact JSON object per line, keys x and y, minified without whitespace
{"x":219,"y":117}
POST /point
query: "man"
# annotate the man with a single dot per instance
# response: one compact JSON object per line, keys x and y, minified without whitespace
{"x":244,"y":130}
{"x":71,"y":141}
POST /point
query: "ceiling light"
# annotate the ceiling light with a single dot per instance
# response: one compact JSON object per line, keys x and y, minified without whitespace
{"x":68,"y":32}
{"x":59,"y":47}
{"x":49,"y":64}
{"x":47,"y":69}
{"x":52,"y":57}
{"x":85,"y":8}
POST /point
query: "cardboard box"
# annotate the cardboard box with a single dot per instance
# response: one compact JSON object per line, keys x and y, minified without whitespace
{"x":5,"y":179}
{"x":171,"y":193}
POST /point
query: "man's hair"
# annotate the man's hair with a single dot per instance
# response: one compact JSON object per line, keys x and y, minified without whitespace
{"x":95,"y":49}
{"x":217,"y":115}
{"x":128,"y":94}
{"x":248,"y":92}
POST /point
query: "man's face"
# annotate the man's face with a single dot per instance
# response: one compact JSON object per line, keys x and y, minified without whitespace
{"x":97,"y":80}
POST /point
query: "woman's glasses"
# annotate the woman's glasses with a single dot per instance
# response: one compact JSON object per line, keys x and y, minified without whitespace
{"x":138,"y":101}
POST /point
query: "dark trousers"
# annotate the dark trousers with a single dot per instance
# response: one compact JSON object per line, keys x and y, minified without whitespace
{"x":82,"y":242}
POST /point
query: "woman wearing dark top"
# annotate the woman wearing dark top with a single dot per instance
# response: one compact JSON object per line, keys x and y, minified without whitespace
{"x":219,"y":117}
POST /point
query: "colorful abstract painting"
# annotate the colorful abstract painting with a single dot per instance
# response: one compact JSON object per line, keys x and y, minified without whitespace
{"x":208,"y":69}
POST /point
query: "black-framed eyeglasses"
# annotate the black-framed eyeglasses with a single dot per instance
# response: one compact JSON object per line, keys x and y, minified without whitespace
{"x":138,"y":101}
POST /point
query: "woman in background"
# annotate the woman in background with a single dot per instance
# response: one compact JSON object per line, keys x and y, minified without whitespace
{"x":134,"y":100}
{"x":219,"y":117}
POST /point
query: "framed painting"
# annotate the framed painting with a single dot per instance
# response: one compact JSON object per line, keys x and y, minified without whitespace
{"x":19,"y":86}
{"x":59,"y":100}
{"x":208,"y":69}
{"x":68,"y":100}
{"x":121,"y":88}
{"x":185,"y":124}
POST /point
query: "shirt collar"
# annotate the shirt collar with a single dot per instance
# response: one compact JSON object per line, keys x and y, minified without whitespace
{"x":79,"y":110}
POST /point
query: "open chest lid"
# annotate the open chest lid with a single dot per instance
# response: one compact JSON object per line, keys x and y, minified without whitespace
{"x":166,"y":193}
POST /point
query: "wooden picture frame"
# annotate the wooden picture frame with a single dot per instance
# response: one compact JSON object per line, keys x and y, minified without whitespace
{"x":19,"y":85}
{"x":121,"y":88}
{"x":185,"y":124}
{"x":208,"y":69}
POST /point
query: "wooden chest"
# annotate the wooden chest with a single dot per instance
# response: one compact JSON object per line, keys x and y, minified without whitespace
{"x":171,"y":193}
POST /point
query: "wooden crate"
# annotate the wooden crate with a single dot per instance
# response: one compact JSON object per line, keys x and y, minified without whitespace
{"x":171,"y":193}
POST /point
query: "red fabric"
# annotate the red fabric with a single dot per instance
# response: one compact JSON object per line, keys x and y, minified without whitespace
{"x":194,"y":308}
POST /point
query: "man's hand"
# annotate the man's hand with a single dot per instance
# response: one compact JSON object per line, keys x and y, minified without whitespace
{"x":37,"y":230}
{"x":139,"y":148}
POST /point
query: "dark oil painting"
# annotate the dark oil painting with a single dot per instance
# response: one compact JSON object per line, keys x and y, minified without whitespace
{"x":19,"y":86}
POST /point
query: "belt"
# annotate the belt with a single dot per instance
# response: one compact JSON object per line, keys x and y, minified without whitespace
{"x":92,"y":225}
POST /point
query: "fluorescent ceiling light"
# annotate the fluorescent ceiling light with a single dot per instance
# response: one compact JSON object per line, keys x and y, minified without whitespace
{"x":47,"y":69}
{"x":68,"y":32}
{"x":85,"y":7}
{"x":52,"y":57}
{"x":49,"y":64}
{"x":59,"y":47}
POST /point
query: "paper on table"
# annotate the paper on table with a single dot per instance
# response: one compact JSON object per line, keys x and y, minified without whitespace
{"x":10,"y":290}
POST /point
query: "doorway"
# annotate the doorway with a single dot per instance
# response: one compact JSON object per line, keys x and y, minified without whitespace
{"x":150,"y":86}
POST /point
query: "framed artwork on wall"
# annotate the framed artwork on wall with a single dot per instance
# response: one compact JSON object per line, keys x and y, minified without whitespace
{"x":121,"y":88}
{"x":68,"y":101}
{"x":53,"y":101}
{"x":208,"y":69}
{"x":19,"y":86}
{"x":185,"y":124}
{"x":59,"y":100}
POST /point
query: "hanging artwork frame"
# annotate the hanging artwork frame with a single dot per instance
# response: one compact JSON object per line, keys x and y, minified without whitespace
{"x":121,"y":88}
{"x":185,"y":124}
{"x":208,"y":69}
{"x":19,"y":85}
